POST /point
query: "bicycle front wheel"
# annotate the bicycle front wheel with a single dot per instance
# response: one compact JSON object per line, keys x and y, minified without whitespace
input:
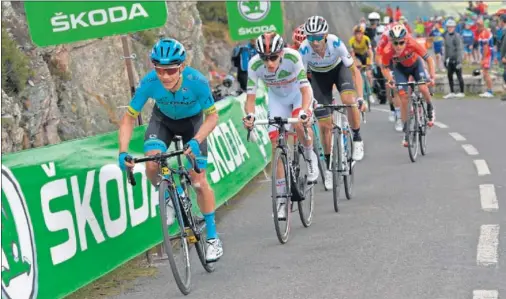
{"x":281,"y":203}
{"x":336,"y":168}
{"x":321,"y":160}
{"x":349,"y":175}
{"x":423,"y":130}
{"x":413,"y":131}
{"x":306,"y":206}
{"x":178,"y":244}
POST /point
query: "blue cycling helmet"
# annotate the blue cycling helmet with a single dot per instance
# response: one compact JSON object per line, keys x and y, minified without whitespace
{"x":168,"y":51}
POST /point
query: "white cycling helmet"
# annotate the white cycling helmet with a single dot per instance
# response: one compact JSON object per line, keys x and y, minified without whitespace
{"x":374,"y":16}
{"x":451,"y":23}
{"x":316,"y":25}
{"x":398,"y":31}
{"x":269,"y":43}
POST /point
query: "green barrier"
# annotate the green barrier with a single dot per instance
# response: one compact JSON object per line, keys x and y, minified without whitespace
{"x":69,"y":216}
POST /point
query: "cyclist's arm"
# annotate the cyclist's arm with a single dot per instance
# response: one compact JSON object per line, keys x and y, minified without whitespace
{"x":352,"y":51}
{"x":128,"y":121}
{"x":305,"y":87}
{"x":386,"y":57}
{"x":420,"y":50}
{"x":349,"y":63}
{"x":369,"y":50}
{"x":251,"y":93}
{"x":211,"y":115}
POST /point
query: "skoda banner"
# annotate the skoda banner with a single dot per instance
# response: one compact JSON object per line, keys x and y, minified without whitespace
{"x":249,"y":19}
{"x":63,"y":22}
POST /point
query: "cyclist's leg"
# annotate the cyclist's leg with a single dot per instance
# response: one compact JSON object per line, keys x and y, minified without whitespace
{"x":418,"y":72}
{"x":322,"y":84}
{"x":156,"y":139}
{"x":346,"y":87}
{"x":278,"y":107}
{"x":309,"y":153}
{"x":401,"y":76}
{"x":367,"y":62}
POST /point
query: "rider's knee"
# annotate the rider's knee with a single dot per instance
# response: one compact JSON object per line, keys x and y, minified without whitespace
{"x":199,"y":180}
{"x":151,"y":168}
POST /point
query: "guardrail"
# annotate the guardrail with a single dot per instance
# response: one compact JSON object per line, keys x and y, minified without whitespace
{"x":69,"y":216}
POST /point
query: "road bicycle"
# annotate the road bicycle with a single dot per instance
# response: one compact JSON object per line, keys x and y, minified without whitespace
{"x":341,"y":154}
{"x":173,"y":188}
{"x":294,"y":165}
{"x":417,"y":121}
{"x":366,"y":90}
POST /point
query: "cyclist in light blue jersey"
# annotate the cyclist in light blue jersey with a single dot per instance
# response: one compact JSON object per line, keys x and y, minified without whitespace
{"x":182,"y":97}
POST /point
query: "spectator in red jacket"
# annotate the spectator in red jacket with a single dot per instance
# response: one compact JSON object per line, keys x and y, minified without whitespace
{"x":398,"y":14}
{"x":390,"y":12}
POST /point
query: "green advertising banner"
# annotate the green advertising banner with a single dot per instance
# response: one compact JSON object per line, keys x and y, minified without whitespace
{"x":69,"y":216}
{"x":249,"y":19}
{"x":62,"y":22}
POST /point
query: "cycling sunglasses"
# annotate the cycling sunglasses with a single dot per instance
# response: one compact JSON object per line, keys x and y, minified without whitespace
{"x":269,"y":57}
{"x":399,"y":43}
{"x":169,"y":70}
{"x":315,"y":38}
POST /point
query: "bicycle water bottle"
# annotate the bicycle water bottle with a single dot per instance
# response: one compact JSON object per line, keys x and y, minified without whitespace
{"x":180,"y":191}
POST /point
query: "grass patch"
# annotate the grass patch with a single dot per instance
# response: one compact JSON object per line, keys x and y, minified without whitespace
{"x":15,"y":65}
{"x":147,"y":37}
{"x":116,"y":281}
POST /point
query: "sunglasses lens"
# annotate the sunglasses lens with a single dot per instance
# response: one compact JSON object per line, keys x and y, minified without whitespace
{"x":169,"y":71}
{"x":313,"y":38}
{"x":269,"y":57}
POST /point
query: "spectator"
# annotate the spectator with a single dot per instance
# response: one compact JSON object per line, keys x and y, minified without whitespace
{"x":486,"y":47}
{"x":453,"y":58}
{"x":437,"y":43}
{"x":404,"y":22}
{"x":503,"y":50}
{"x":468,"y":39}
{"x":419,"y":27}
{"x":390,"y":12}
{"x":240,"y":58}
{"x":476,"y":50}
{"x":398,"y":14}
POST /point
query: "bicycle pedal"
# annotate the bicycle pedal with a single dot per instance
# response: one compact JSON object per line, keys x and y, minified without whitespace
{"x":190,"y":237}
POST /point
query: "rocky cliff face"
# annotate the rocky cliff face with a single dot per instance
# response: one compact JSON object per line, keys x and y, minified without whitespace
{"x":79,"y":89}
{"x":341,"y":16}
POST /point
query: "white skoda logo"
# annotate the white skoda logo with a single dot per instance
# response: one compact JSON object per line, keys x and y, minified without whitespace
{"x":19,"y":264}
{"x":254,"y":10}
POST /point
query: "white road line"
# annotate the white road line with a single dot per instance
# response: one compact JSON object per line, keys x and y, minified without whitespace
{"x":488,"y":198}
{"x":380,"y":109}
{"x":481,"y":167}
{"x":457,"y":136}
{"x":440,"y":125}
{"x":470,"y":150}
{"x":487,"y":245}
{"x":485,"y":294}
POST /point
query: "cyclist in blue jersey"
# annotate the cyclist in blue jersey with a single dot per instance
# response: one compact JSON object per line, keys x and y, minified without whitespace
{"x":468,"y":39}
{"x":182,"y":97}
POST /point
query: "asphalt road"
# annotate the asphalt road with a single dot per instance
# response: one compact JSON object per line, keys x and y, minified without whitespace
{"x":411,"y":231}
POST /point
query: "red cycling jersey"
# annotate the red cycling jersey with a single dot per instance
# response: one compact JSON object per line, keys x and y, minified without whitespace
{"x":408,"y":56}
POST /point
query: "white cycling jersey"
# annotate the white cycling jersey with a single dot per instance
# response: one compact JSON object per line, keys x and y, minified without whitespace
{"x":289,"y":78}
{"x":335,"y":53}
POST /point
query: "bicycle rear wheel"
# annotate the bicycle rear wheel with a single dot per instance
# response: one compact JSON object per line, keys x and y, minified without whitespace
{"x":178,"y":243}
{"x":336,"y":167}
{"x":321,"y":162}
{"x":412,"y":131}
{"x":423,"y":130}
{"x":349,"y":177}
{"x":281,"y":232}
{"x":305,"y":206}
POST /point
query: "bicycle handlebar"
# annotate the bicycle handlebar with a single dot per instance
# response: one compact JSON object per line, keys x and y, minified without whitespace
{"x":411,"y":83}
{"x":158,"y":157}
{"x":277,"y":120}
{"x":336,"y":107}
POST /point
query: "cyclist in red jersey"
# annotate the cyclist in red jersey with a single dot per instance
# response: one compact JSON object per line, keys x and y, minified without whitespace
{"x":298,"y":36}
{"x":392,"y":94}
{"x":404,"y":55}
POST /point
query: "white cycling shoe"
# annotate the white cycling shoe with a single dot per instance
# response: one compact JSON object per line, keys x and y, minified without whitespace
{"x":328,"y":180}
{"x":358,"y":150}
{"x":312,"y":172}
{"x":214,"y":250}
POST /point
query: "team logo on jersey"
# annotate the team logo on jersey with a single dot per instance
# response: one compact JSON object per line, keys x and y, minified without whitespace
{"x":283,"y":74}
{"x":19,"y":261}
{"x":254,"y":10}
